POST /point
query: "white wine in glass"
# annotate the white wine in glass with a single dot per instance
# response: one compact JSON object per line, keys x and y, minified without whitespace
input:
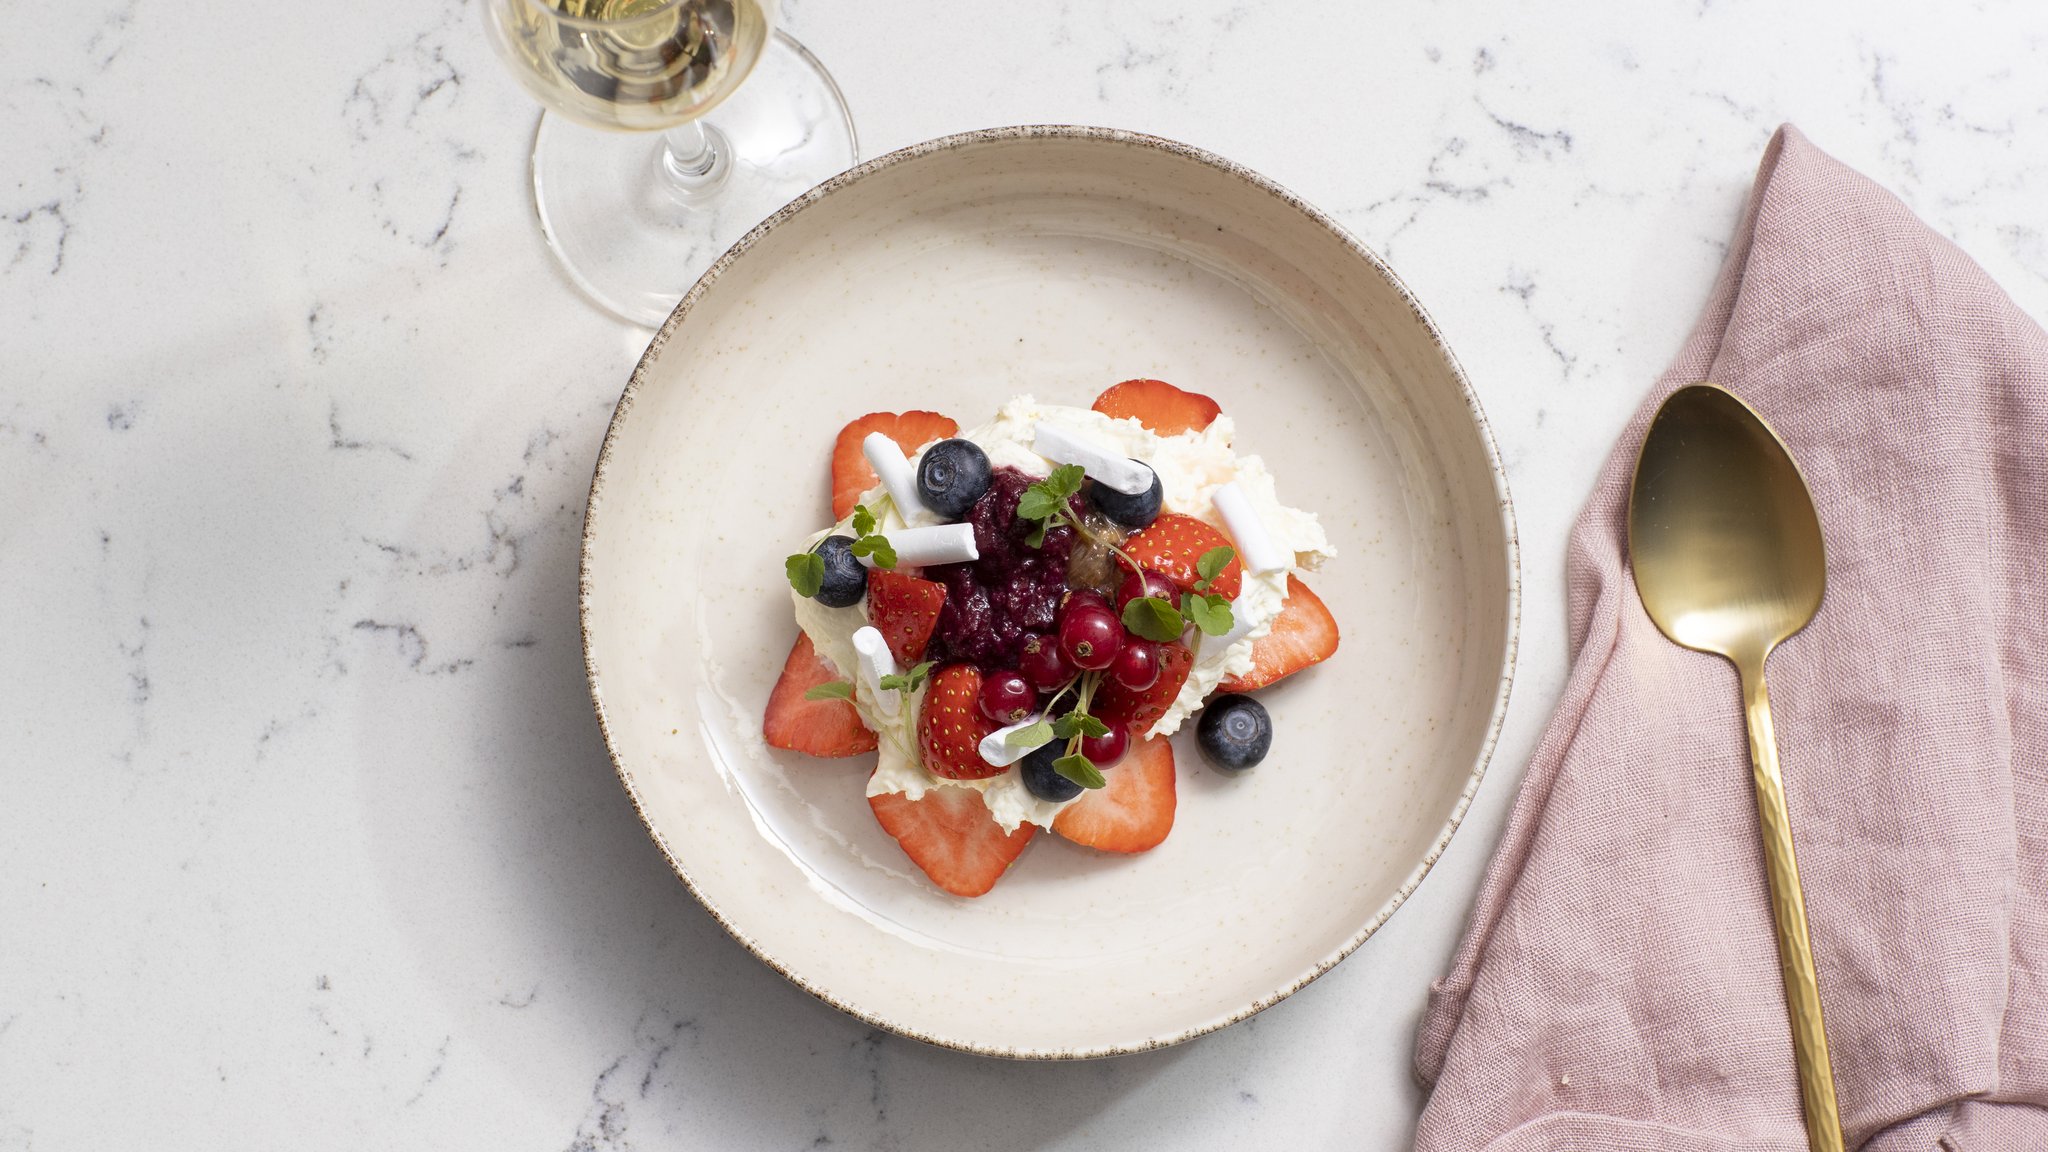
{"x":747,"y":119}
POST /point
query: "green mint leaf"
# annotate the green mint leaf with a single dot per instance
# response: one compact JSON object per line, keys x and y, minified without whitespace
{"x":1214,"y":561}
{"x":1078,"y":724}
{"x":1037,"y":537}
{"x":1037,"y":503}
{"x":876,"y":548}
{"x":906,"y":681}
{"x":1211,"y":613}
{"x":831,"y":690}
{"x":863,"y":520}
{"x":1034,"y":736}
{"x":806,"y":572}
{"x":1048,"y":497}
{"x":1080,"y":769}
{"x":1154,"y":619}
{"x":1065,"y":480}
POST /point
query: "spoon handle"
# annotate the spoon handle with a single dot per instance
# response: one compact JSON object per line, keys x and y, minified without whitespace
{"x":1788,"y":908}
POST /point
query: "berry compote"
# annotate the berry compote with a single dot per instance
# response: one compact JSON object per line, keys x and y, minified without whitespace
{"x":1012,"y":592}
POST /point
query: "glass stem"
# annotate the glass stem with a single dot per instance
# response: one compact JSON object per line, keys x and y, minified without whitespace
{"x":694,"y":160}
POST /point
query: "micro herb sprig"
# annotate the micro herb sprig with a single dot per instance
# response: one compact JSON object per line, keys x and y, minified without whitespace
{"x":1158,"y":620}
{"x":1046,"y":501}
{"x":1071,"y":727}
{"x":806,"y":570}
{"x":909,"y":681}
{"x":1210,"y":609}
{"x":870,"y":543}
{"x":1034,"y":735}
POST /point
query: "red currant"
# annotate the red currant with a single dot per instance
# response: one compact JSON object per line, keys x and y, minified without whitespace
{"x":1091,"y":638}
{"x":1153,"y":583}
{"x":1137,"y":666}
{"x":1043,"y":664}
{"x":1007,"y":697}
{"x":1107,"y":749}
{"x":1082,"y":600}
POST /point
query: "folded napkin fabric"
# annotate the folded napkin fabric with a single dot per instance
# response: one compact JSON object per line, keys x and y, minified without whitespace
{"x":1618,"y":986}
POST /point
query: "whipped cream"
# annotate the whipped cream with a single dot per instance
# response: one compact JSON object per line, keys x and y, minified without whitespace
{"x":1192,"y":466}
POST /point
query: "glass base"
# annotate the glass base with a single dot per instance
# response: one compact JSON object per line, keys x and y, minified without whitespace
{"x":634,"y":243}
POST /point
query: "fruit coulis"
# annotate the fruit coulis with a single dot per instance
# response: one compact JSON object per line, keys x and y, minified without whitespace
{"x":1013,"y":592}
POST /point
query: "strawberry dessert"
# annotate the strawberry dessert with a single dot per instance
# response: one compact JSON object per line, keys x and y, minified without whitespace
{"x":1015,"y":618}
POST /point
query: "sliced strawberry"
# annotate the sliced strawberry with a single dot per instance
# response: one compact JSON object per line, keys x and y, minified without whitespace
{"x":1138,"y":711}
{"x":851,"y":475}
{"x":816,"y":727}
{"x":1134,"y":812}
{"x":949,"y":834}
{"x":1303,"y":634}
{"x":1175,"y":542}
{"x":950,"y":726}
{"x":904,"y":609}
{"x":1159,"y":406}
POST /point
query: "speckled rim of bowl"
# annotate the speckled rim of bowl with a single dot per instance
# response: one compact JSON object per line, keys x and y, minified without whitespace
{"x":1140,"y":140}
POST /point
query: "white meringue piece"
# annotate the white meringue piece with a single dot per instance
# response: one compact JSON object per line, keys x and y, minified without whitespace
{"x":889,"y":462}
{"x":876,"y":661}
{"x":1102,"y":466}
{"x":931,"y":544}
{"x":997,"y":750}
{"x":1254,"y":544}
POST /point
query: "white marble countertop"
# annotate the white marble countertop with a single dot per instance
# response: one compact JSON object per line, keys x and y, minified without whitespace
{"x":307,"y":838}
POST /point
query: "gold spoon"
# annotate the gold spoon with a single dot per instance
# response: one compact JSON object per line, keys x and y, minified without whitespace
{"x":1728,"y":558}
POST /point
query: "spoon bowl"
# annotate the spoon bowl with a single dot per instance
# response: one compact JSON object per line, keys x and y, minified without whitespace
{"x":1722,"y":532}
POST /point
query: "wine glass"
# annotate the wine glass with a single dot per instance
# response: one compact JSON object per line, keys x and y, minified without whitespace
{"x":672,"y":127}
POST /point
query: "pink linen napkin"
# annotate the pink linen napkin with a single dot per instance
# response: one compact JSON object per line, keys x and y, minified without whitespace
{"x":1618,"y":985}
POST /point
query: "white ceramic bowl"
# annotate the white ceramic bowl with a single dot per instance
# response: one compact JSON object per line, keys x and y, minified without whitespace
{"x":1054,"y":261}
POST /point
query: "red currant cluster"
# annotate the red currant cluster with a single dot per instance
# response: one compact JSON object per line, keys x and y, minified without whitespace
{"x":1091,"y":646}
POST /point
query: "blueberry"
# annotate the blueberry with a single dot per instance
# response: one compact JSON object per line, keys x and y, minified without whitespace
{"x":846,"y":581}
{"x":1130,"y":511}
{"x":952,"y":476}
{"x":1235,"y":733}
{"x":1041,"y":780}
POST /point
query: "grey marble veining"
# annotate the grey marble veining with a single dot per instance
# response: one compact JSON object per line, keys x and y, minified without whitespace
{"x":309,"y":837}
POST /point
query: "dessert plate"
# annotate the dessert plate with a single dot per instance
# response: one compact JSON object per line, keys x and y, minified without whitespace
{"x":1054,"y":261}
